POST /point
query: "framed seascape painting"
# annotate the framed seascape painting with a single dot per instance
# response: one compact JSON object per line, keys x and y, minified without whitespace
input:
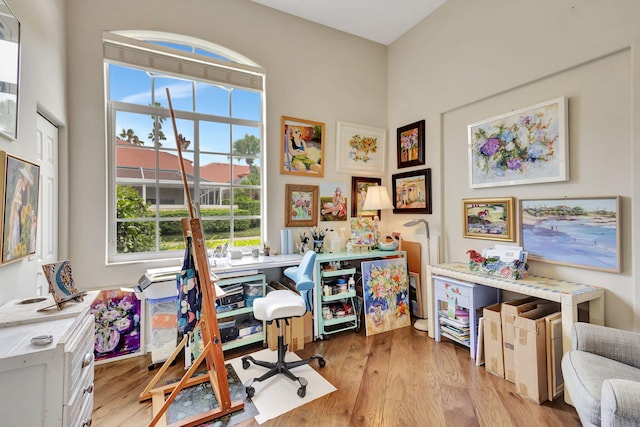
{"x":526,"y":146}
{"x":20,"y":187}
{"x":359,"y":187}
{"x":9,"y":71}
{"x":411,"y":145}
{"x":386,"y":295}
{"x":578,"y":232}
{"x":412,"y":192}
{"x":302,"y":148}
{"x":301,"y":205}
{"x":360,"y":149}
{"x":333,"y":201}
{"x":491,"y":219}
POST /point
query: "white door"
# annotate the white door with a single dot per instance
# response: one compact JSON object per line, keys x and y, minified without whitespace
{"x":47,"y":141}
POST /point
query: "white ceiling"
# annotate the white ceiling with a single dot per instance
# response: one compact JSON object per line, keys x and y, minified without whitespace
{"x":382,"y":21}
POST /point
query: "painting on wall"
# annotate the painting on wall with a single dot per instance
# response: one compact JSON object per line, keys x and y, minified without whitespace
{"x":363,"y":232}
{"x":20,"y":188}
{"x":526,"y":146}
{"x":302,"y":148}
{"x":412,"y":192}
{"x":360,"y":149}
{"x":411,"y":145}
{"x":301,"y":205}
{"x":359,"y":186}
{"x":491,"y":219}
{"x":333,"y":201}
{"x":386,"y":295}
{"x":577,"y":232}
{"x":118,"y":319}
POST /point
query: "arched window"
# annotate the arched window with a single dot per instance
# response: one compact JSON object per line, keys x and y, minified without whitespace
{"x":217,"y":97}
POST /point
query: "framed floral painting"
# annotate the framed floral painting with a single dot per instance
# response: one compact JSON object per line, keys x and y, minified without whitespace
{"x":359,"y":187}
{"x":302,"y":147}
{"x":301,"y":205}
{"x":360,"y":149}
{"x":411,"y":145}
{"x":526,"y":146}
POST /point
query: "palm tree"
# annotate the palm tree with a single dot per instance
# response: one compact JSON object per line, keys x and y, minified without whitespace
{"x":157,"y":126}
{"x":130,"y":136}
{"x":247,"y":146}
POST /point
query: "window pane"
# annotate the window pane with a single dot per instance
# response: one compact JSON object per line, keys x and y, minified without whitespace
{"x":211,"y":196}
{"x":214,"y":137}
{"x":212,"y":99}
{"x":215,"y":169}
{"x":246,"y":233}
{"x":246,"y":171}
{"x":246,"y":104}
{"x":135,"y":236}
{"x":181,"y":92}
{"x":171,"y":237}
{"x":133,"y":128}
{"x":130,"y":203}
{"x":129,"y":85}
{"x":246,"y":140}
{"x":216,"y":232}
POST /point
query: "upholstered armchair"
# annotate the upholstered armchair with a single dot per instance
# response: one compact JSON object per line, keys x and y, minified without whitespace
{"x":602,"y":375}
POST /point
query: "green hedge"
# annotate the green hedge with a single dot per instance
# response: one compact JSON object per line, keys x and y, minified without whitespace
{"x":209,"y":225}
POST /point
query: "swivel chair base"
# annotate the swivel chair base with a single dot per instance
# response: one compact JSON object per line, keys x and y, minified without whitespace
{"x":279,"y":367}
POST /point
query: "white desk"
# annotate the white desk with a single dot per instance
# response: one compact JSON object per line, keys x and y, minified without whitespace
{"x":568,"y":294}
{"x":221,"y":266}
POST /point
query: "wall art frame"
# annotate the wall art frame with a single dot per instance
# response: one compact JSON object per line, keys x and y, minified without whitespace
{"x":579,"y":232}
{"x":333,"y":201}
{"x":412,"y":192}
{"x":10,"y":71}
{"x":359,"y":187}
{"x":489,"y":218}
{"x":20,"y":190}
{"x":526,"y":146}
{"x":411,"y":145}
{"x":302,"y":147}
{"x":360,"y":149}
{"x":301,"y":205}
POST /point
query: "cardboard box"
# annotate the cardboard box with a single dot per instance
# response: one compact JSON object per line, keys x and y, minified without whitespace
{"x":293,"y":334}
{"x":492,"y":325}
{"x":508,"y":313}
{"x":531,"y":353}
{"x":555,"y":380}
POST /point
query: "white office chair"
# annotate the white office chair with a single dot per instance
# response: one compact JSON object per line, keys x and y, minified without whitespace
{"x":279,"y":306}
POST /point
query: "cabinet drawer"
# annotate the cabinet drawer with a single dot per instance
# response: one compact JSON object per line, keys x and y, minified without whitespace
{"x":81,"y":402}
{"x":444,"y":288}
{"x":78,"y":358}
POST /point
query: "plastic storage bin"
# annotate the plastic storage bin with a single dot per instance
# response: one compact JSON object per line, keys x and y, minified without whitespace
{"x":163,"y":321}
{"x":251,"y":292}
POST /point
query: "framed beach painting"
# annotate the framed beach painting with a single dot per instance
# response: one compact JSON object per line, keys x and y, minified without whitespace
{"x":412,"y":192}
{"x":386,"y":295}
{"x":302,"y":147}
{"x":578,"y":232}
{"x":301,"y":205}
{"x":359,"y":186}
{"x":20,"y":186}
{"x":411,"y":145}
{"x":491,"y":219}
{"x":360,"y":149}
{"x":526,"y":146}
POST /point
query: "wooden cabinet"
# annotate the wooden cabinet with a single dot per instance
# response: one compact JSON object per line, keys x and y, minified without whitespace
{"x":47,"y":385}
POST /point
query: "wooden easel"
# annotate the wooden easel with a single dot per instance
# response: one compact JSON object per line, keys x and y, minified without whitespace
{"x":208,"y":324}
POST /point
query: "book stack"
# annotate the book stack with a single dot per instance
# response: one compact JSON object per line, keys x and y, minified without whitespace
{"x":456,"y":327}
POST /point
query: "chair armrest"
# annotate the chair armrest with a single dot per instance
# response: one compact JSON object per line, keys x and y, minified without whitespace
{"x":616,"y":344}
{"x":305,"y":285}
{"x":620,"y":403}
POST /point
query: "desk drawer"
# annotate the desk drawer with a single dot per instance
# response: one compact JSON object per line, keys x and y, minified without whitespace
{"x":444,"y":288}
{"x":78,"y":358}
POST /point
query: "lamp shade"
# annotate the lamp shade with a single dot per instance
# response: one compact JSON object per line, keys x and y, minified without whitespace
{"x":377,"y":199}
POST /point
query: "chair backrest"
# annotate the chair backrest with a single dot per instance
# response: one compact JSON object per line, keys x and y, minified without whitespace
{"x":302,"y":275}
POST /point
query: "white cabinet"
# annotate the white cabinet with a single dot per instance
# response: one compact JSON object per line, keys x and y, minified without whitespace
{"x":50,"y":385}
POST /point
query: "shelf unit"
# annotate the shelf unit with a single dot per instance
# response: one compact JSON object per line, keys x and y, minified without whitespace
{"x":335,"y":324}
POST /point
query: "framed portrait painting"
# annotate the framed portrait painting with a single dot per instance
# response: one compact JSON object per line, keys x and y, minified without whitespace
{"x":302,"y":147}
{"x":577,"y":232}
{"x":333,"y":201}
{"x":491,"y":219}
{"x":359,"y":187}
{"x":360,"y":149}
{"x":20,"y":187}
{"x":411,"y":145}
{"x":412,"y":192}
{"x":526,"y":146}
{"x":301,"y":205}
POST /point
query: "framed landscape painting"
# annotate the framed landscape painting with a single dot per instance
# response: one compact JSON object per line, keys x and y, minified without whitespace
{"x":491,"y":219}
{"x":412,"y":192}
{"x":302,"y":147}
{"x":578,"y":232}
{"x":526,"y":146}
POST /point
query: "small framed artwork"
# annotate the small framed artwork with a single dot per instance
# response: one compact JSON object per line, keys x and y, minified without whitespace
{"x":363,"y":232}
{"x":301,"y":205}
{"x":333,"y":201}
{"x":526,"y":146}
{"x":491,"y":219}
{"x":360,"y":149}
{"x":20,"y":187}
{"x":302,"y":148}
{"x":411,"y":145}
{"x":359,"y":187}
{"x":577,"y":232}
{"x":412,"y":192}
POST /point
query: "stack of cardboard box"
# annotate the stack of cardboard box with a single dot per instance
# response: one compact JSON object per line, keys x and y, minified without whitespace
{"x":516,"y":346}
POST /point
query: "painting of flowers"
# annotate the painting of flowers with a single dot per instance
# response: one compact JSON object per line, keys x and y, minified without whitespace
{"x":363,"y":231}
{"x":118,"y":315}
{"x":526,"y":146}
{"x":301,"y":205}
{"x":411,"y":145}
{"x":360,"y":149}
{"x":386,"y":295}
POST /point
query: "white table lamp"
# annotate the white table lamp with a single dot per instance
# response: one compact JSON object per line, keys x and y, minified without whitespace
{"x":377,"y":199}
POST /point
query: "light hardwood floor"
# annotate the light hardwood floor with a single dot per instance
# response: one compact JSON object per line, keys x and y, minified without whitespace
{"x":398,"y":378}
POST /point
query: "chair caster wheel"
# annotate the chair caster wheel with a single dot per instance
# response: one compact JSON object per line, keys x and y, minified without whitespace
{"x":251,"y":391}
{"x":321,"y":363}
{"x":245,"y":364}
{"x":302,"y":391}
